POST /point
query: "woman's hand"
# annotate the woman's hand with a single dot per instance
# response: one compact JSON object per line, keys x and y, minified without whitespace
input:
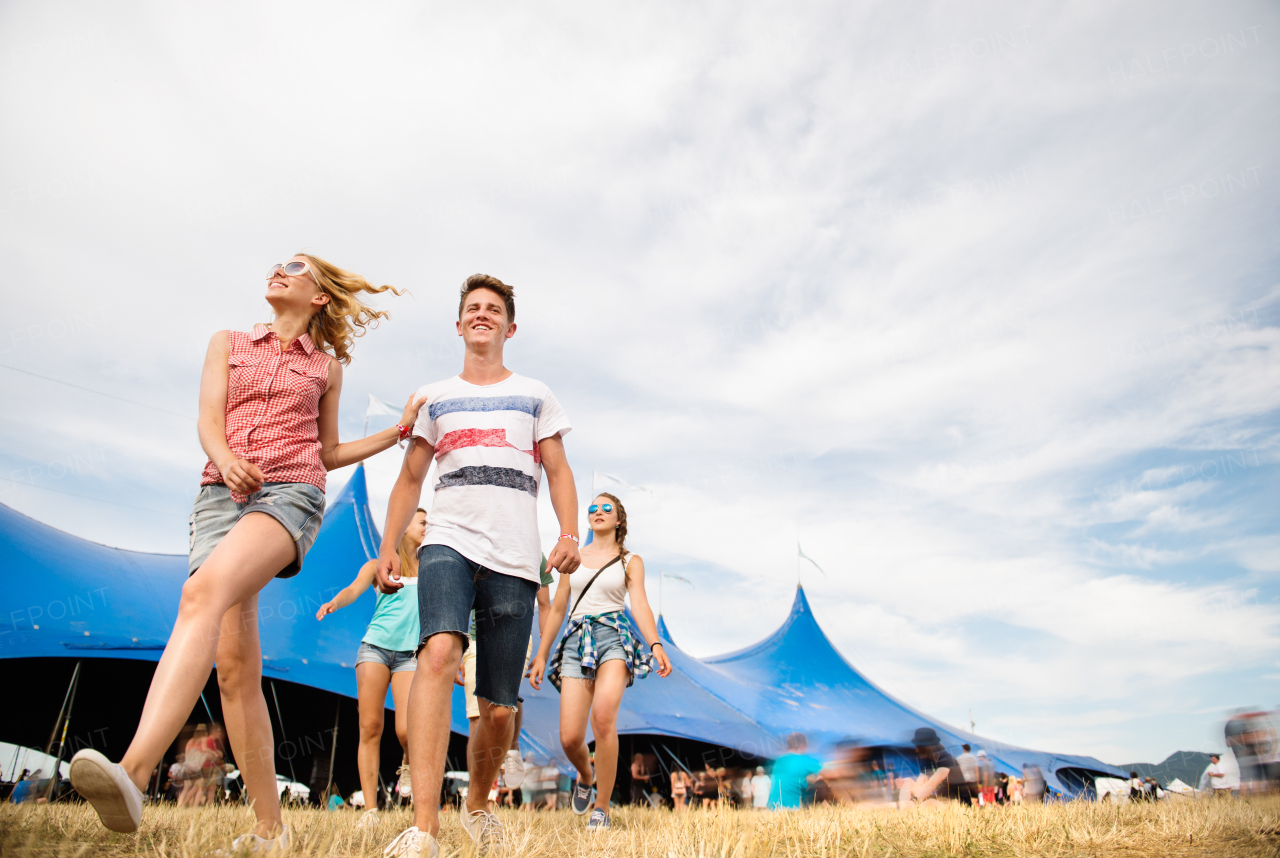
{"x":536,"y":670}
{"x":242,"y":476}
{"x":411,"y":409}
{"x":664,"y":663}
{"x":460,"y":679}
{"x":325,"y":610}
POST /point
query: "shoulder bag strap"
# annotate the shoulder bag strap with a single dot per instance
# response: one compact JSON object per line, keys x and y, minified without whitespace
{"x":578,"y":601}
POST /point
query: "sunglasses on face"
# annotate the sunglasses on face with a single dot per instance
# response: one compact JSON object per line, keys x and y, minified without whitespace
{"x":293,"y":268}
{"x":603,"y":507}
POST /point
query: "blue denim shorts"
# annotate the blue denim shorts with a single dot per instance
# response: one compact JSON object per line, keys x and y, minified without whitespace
{"x":608,"y":647}
{"x":449,"y":587}
{"x":395,"y":661}
{"x":299,"y":507}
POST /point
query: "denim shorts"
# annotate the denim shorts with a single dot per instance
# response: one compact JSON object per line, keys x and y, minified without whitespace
{"x":299,"y":507}
{"x":449,"y":586}
{"x":395,"y":661}
{"x":608,"y":647}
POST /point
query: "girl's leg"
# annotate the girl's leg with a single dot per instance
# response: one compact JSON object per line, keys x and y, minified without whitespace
{"x":575,"y":706}
{"x":244,"y":708}
{"x":244,"y":562}
{"x":400,"y":684}
{"x":372,"y":680}
{"x":611,"y":681}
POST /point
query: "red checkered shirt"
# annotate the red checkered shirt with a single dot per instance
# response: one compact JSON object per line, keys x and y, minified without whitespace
{"x":273,"y":406}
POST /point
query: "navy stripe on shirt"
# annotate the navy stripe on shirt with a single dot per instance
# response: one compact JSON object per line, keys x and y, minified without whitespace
{"x":486,"y":475}
{"x":530,"y":405}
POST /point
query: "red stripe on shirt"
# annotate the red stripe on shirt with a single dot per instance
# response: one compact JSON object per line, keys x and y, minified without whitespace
{"x":460,"y":438}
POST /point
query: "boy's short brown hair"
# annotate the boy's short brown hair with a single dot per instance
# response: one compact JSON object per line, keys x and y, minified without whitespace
{"x":484,"y":281}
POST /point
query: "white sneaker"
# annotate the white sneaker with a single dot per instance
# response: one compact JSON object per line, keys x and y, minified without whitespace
{"x":412,"y":843}
{"x":513,"y":769}
{"x":483,"y":827}
{"x":247,"y":843}
{"x":406,"y":783}
{"x":368,"y":819}
{"x":105,"y":785}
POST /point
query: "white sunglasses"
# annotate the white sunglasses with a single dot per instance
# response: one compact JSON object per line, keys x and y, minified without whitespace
{"x":293,"y":268}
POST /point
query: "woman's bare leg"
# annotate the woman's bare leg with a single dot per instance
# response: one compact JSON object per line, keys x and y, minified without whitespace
{"x":244,"y":709}
{"x":575,"y":707}
{"x":243,"y":563}
{"x":611,"y":681}
{"x":400,"y":684}
{"x":372,"y":680}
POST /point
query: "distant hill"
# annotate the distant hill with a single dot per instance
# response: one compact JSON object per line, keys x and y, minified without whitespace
{"x":1187,"y":765}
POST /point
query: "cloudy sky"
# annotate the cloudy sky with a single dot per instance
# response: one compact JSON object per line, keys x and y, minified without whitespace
{"x":980,"y":302}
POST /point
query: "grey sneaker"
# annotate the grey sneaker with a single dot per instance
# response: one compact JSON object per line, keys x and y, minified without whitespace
{"x":483,"y":827}
{"x":583,"y":796}
{"x":513,"y":769}
{"x":412,"y":843}
{"x":252,"y":843}
{"x":599,"y":820}
{"x":406,"y":783}
{"x":105,"y":785}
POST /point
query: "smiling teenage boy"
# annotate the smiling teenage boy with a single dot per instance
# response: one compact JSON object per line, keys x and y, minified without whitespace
{"x":492,"y":433}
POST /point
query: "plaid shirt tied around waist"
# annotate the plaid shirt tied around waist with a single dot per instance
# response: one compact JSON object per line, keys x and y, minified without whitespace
{"x":273,"y":408}
{"x":639,"y":662}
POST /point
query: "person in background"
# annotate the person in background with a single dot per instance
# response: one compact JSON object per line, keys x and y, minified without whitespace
{"x":986,"y":779}
{"x":742,"y":786}
{"x":27,"y":789}
{"x":761,"y":785}
{"x":793,"y":774}
{"x":386,"y":658}
{"x":1033,"y":786}
{"x":639,"y":780}
{"x":969,"y":773}
{"x":939,"y":777}
{"x":1214,"y":779}
{"x":680,"y":787}
{"x":1136,"y":792}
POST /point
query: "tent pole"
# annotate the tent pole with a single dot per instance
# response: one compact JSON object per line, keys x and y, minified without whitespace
{"x":333,"y":752}
{"x":56,"y":777}
{"x":280,"y":718}
{"x":53,"y":734}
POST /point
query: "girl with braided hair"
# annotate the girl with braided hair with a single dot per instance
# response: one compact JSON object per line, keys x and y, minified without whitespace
{"x":598,"y":658}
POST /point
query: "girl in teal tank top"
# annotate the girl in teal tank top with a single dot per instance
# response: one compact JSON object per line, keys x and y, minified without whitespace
{"x":385,"y":658}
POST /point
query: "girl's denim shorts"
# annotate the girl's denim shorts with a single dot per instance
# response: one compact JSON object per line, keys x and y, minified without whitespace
{"x":608,"y":647}
{"x":299,"y":507}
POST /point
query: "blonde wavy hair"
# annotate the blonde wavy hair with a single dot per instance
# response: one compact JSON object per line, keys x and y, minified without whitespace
{"x":408,"y":553}
{"x":345,"y":317}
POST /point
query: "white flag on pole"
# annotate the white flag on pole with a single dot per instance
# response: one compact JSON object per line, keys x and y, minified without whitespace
{"x":377,"y":406}
{"x":800,"y":551}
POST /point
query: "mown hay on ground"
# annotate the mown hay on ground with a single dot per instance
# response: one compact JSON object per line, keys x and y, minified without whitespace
{"x":1183,"y":828}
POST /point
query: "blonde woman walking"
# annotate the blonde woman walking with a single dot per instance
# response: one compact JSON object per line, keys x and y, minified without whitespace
{"x":269,"y":424}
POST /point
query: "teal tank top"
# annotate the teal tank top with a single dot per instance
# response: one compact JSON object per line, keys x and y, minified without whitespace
{"x":395,"y":619}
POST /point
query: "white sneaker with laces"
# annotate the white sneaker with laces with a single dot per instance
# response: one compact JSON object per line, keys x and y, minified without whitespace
{"x":253,"y":843}
{"x":406,"y":783}
{"x":513,"y":769}
{"x":413,"y":842}
{"x":484,"y":828}
{"x":368,"y":819}
{"x":105,"y":785}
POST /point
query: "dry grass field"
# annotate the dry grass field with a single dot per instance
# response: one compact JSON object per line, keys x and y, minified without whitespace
{"x":1210,"y":828}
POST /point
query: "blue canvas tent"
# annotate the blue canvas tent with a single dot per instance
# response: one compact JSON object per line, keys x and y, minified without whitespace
{"x":66,"y":597}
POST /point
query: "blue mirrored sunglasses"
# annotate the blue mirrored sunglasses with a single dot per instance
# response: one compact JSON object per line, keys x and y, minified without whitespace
{"x":605,"y":507}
